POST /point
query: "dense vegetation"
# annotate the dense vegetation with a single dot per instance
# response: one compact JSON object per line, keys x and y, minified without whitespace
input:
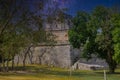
{"x":98,"y":33}
{"x":21,"y":27}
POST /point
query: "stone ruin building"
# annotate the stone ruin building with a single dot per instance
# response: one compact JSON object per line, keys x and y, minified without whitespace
{"x":62,"y":54}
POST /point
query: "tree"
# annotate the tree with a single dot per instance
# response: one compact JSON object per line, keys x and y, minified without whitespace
{"x":78,"y":34}
{"x":19,"y":28}
{"x":22,"y":27}
{"x":9,"y":34}
{"x":116,"y":37}
{"x":96,"y":34}
{"x":104,"y":39}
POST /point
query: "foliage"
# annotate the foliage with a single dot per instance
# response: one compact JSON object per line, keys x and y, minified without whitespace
{"x":116,"y":37}
{"x":78,"y":33}
{"x":20,"y":28}
{"x":98,"y":35}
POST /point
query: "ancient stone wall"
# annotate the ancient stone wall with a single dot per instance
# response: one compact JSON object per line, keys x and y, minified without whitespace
{"x":53,"y":56}
{"x":58,"y":56}
{"x":61,"y":55}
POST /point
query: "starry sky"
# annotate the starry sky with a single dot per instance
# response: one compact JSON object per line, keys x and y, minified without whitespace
{"x":87,"y":5}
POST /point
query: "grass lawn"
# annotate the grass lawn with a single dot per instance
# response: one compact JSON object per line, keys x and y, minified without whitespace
{"x":37,"y":72}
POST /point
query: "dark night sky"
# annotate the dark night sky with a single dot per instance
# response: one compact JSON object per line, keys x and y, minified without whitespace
{"x":88,"y":5}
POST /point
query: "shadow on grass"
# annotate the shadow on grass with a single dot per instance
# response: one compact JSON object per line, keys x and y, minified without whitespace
{"x":59,"y":72}
{"x":38,"y":70}
{"x":107,"y":72}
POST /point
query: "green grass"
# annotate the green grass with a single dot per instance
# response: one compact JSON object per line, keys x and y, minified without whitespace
{"x":36,"y":72}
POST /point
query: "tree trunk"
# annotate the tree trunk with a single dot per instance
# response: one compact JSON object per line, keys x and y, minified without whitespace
{"x":3,"y":64}
{"x":13,"y":63}
{"x":30,"y":54}
{"x":25,"y":55}
{"x":24,"y":64}
{"x":111,"y":62}
{"x":0,"y":67}
{"x":18,"y":61}
{"x":112,"y":66}
{"x":7,"y":65}
{"x":43,"y":51}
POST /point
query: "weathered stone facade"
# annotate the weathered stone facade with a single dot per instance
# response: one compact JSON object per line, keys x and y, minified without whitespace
{"x":61,"y":54}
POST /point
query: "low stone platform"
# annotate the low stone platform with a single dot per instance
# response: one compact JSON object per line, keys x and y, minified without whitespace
{"x":83,"y":66}
{"x":89,"y":65}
